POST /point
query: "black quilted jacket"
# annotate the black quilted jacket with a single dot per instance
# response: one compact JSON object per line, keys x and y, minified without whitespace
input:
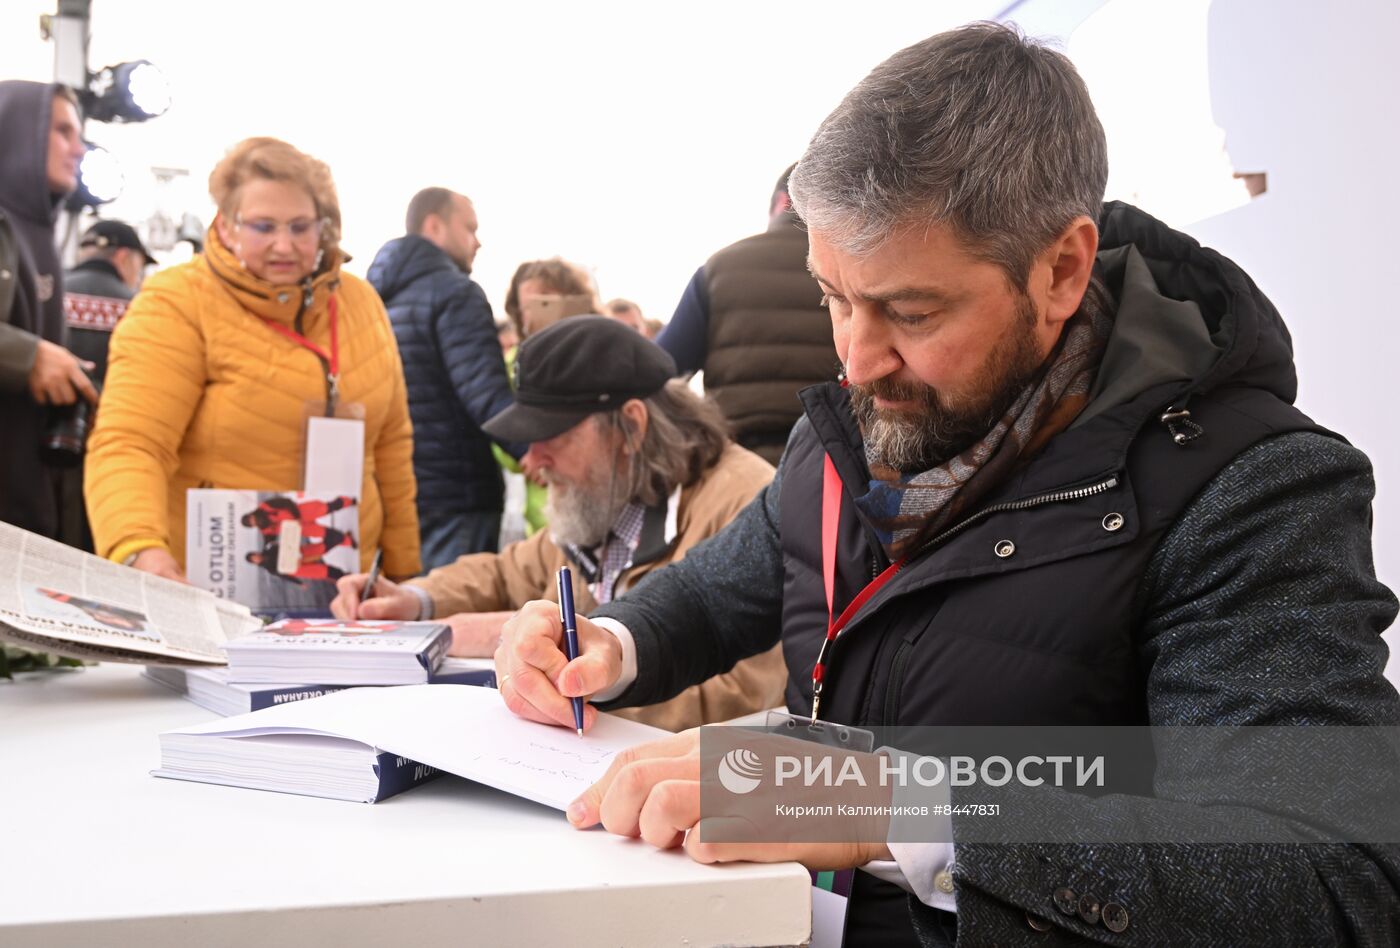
{"x":455,"y":372}
{"x":1235,"y":587}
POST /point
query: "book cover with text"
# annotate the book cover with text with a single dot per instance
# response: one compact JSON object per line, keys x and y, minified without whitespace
{"x":271,"y":550}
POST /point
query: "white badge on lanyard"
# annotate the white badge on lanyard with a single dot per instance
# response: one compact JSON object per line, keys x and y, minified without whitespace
{"x":335,"y":456}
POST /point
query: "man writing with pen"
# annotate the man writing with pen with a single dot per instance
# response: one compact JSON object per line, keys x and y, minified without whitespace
{"x":640,"y":470}
{"x":1063,"y":485}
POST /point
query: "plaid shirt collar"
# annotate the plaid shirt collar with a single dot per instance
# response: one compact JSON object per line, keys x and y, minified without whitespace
{"x":639,"y":535}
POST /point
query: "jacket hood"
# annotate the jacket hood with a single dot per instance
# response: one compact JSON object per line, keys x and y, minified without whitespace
{"x":25,"y":109}
{"x":1187,"y":318}
{"x":1188,"y":321}
{"x":405,"y":260}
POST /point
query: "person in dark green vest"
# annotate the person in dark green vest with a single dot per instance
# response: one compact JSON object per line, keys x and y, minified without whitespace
{"x":752,"y":320}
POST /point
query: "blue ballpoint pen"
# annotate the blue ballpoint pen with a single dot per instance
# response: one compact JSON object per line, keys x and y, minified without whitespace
{"x":566,"y":616}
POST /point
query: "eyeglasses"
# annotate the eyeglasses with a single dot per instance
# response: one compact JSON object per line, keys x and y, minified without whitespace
{"x":301,"y":229}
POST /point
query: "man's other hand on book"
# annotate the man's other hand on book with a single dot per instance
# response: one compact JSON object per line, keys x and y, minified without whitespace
{"x":534,"y":676}
{"x":388,"y":600}
{"x":652,"y":792}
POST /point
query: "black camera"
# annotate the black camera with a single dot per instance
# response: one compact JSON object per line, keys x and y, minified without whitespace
{"x":65,"y":436}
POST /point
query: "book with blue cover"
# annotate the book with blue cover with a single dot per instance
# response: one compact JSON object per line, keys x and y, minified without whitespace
{"x":210,"y":688}
{"x":336,"y":745}
{"x":335,"y":652}
{"x":310,"y":764}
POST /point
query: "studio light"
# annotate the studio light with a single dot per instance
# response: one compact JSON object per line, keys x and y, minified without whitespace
{"x":127,"y":92}
{"x":100,"y":179}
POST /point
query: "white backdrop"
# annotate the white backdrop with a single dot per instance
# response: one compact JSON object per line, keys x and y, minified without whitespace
{"x":1306,"y":93}
{"x":635,"y":138}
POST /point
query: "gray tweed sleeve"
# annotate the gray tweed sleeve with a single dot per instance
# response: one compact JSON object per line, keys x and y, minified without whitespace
{"x":1260,"y":607}
{"x":721,"y":603}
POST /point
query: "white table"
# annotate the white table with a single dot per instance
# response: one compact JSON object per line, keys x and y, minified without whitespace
{"x":96,"y":851}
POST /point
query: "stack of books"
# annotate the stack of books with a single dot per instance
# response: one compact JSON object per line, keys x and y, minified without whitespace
{"x":298,"y":659}
{"x":306,"y":658}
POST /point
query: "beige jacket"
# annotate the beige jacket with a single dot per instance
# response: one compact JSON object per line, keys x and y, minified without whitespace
{"x":486,"y":582}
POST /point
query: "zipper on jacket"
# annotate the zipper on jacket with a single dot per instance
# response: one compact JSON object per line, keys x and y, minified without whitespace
{"x":896,"y":684}
{"x":1053,"y":497}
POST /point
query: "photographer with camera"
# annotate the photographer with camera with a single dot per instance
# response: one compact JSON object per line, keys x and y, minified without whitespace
{"x":37,"y":372}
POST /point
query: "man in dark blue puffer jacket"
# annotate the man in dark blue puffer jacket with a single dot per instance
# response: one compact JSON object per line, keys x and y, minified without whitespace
{"x":456,"y":375}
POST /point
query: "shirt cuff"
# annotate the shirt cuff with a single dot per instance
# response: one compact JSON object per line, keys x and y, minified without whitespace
{"x":927,"y":867}
{"x":425,"y":601}
{"x":927,"y":871}
{"x":629,"y":659}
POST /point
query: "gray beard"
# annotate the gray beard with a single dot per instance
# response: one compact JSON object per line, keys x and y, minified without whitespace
{"x":922,"y":440}
{"x":583,"y":515}
{"x":904,"y":444}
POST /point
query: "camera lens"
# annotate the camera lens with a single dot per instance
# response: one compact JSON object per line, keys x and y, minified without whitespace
{"x":65,"y":437}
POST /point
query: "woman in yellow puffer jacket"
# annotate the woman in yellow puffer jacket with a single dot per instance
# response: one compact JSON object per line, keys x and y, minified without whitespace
{"x":210,"y":386}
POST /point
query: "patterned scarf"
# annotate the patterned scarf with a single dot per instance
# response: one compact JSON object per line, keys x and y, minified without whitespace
{"x":908,"y":510}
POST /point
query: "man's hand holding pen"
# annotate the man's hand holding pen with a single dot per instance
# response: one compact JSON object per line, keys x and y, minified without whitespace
{"x":534,"y":675}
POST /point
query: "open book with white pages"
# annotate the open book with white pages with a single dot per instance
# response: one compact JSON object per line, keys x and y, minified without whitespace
{"x":56,"y":599}
{"x":331,"y":746}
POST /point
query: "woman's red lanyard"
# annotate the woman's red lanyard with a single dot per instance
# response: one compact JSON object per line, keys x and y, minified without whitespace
{"x":831,"y":515}
{"x":331,"y":361}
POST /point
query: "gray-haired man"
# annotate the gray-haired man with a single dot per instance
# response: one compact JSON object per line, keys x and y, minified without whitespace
{"x":1070,"y":429}
{"x":639,"y":469}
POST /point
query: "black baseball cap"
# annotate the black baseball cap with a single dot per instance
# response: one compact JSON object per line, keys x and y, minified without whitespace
{"x":578,"y":366}
{"x":115,"y":234}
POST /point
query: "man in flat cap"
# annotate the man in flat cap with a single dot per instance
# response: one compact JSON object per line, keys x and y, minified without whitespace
{"x":639,"y":471}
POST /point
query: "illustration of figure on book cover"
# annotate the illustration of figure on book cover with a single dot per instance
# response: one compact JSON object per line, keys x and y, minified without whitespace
{"x":271,"y":550}
{"x":308,"y":563}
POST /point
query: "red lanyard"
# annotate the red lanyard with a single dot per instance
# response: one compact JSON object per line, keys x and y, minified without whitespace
{"x":331,"y":360}
{"x":831,"y":515}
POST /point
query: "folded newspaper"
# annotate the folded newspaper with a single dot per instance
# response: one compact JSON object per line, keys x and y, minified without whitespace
{"x":56,"y":599}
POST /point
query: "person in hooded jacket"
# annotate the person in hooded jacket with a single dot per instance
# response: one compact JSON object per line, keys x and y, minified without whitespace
{"x":219,"y":363}
{"x":41,"y":132}
{"x":456,"y":379}
{"x":1063,"y":484}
